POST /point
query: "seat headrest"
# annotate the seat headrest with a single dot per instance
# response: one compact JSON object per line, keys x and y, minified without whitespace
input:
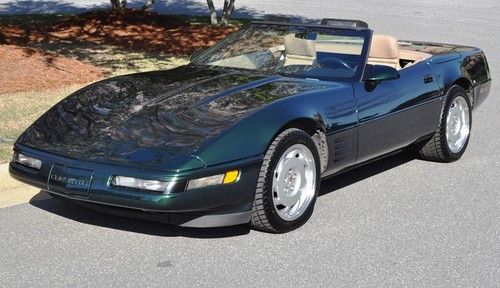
{"x":301,"y":47}
{"x":385,"y":47}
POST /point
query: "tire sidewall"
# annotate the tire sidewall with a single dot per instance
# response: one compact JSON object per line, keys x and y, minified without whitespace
{"x":455,"y":92}
{"x":295,"y":136}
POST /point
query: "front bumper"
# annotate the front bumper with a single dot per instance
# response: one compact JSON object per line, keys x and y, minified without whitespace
{"x":221,"y":205}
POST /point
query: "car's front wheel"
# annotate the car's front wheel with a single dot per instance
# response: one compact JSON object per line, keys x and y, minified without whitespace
{"x":288,"y":183}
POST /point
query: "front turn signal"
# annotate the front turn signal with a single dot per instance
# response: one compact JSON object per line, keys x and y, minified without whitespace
{"x":226,"y":178}
{"x":231,"y":176}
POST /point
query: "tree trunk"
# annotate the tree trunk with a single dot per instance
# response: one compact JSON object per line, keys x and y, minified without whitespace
{"x":213,"y":13}
{"x":148,"y":4}
{"x":227,"y":12}
{"x":118,"y":6}
{"x":123,"y":5}
{"x":115,"y":5}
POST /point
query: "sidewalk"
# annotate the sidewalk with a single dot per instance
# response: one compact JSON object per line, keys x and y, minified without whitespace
{"x":13,"y":192}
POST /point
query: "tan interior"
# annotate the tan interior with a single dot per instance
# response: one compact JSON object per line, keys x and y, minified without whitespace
{"x":385,"y":51}
{"x":413,"y":56}
{"x":299,"y":51}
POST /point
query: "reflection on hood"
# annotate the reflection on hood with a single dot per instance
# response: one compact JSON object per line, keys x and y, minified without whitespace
{"x":154,"y":117}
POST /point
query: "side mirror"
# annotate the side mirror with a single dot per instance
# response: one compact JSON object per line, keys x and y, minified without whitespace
{"x":377,"y":73}
{"x":195,"y":54}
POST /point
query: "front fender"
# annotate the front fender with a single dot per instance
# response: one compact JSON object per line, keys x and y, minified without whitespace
{"x":252,"y":135}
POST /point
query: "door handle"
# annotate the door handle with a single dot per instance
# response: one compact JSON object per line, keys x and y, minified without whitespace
{"x":428,"y":79}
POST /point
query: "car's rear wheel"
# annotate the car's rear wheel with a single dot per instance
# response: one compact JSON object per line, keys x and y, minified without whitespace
{"x":288,"y":183}
{"x":451,"y":138}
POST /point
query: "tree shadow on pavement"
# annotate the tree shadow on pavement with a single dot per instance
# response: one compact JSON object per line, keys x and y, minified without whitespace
{"x":199,"y":8}
{"x":179,"y":7}
{"x":39,"y":7}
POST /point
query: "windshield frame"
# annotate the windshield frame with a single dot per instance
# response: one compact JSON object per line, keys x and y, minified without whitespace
{"x":364,"y":33}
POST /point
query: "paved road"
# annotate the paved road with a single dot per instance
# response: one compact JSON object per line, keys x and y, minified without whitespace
{"x":397,"y":222}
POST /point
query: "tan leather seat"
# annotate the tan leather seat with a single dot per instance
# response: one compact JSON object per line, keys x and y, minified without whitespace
{"x":299,"y":51}
{"x":384,"y":51}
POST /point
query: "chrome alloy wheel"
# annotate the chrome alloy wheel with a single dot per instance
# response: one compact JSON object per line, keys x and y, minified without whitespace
{"x":294,"y":182}
{"x":457,"y":124}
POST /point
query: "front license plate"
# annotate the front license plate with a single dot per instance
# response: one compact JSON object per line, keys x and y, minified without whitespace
{"x":70,"y":180}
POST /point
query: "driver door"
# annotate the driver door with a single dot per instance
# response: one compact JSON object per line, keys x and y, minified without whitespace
{"x":395,"y":113}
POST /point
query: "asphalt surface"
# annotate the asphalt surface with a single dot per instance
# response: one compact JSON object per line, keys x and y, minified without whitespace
{"x":396,"y":222}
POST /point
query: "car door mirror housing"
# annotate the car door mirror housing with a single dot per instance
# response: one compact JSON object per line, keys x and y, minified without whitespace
{"x":377,"y":73}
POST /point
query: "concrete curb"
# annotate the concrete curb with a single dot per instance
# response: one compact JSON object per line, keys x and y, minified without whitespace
{"x":13,"y":192}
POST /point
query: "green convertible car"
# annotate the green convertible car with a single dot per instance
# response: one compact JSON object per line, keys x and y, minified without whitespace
{"x":247,"y":130}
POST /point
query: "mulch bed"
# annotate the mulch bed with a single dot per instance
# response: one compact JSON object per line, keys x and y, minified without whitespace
{"x":33,"y":68}
{"x":25,"y":69}
{"x":133,"y":30}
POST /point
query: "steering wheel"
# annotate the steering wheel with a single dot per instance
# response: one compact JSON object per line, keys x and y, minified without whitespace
{"x":338,"y":62}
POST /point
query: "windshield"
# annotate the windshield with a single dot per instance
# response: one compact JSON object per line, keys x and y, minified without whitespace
{"x":297,"y":51}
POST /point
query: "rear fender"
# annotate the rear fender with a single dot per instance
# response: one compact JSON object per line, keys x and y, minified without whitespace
{"x":470,"y":71}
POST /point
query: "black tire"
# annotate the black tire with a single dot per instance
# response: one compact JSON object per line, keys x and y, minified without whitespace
{"x":264,"y":216}
{"x":436,"y":148}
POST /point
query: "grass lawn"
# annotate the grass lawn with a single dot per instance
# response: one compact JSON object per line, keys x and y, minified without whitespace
{"x":120,"y":62}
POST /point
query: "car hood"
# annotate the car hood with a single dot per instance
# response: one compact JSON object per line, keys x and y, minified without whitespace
{"x":157,"y":118}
